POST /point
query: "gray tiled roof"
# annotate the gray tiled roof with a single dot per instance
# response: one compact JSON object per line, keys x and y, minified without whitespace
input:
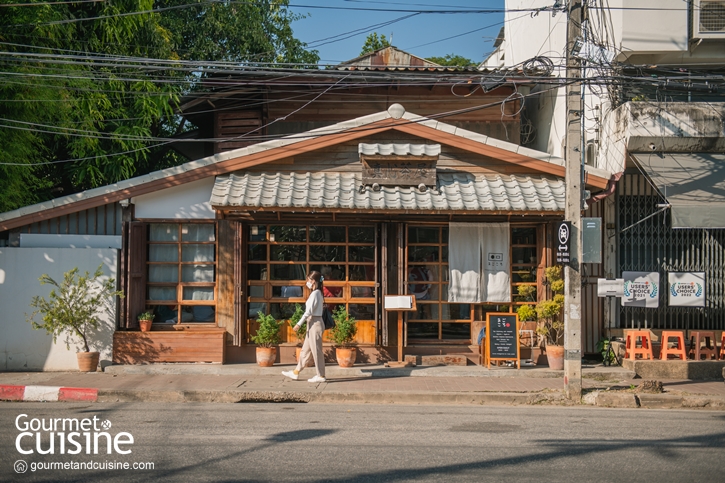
{"x":399,"y":149}
{"x":455,"y":192}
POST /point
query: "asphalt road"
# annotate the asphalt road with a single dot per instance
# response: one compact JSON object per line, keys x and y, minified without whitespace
{"x":376,"y":443}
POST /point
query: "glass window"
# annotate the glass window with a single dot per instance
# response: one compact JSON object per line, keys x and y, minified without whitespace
{"x":327,"y":234}
{"x":524,"y":263}
{"x":281,"y":260}
{"x":181,"y":267}
{"x":417,"y":234}
{"x":197,"y":233}
{"x":288,"y":234}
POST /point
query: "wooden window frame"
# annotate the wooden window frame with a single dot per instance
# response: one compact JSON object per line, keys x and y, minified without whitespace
{"x":347,"y":285}
{"x":180,"y":284}
{"x":441,"y":266}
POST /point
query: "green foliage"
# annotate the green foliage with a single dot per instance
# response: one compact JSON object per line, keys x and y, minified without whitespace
{"x":268,"y":332}
{"x":603,"y":347}
{"x":148,"y":315}
{"x":73,"y":305}
{"x":296,"y":316}
{"x":549,"y":311}
{"x":526,"y":313}
{"x":527,"y":292}
{"x":452,"y":60}
{"x":373,"y":43}
{"x":343,"y":334}
{"x":93,"y":105}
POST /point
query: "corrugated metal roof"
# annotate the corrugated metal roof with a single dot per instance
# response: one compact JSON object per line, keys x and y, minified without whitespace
{"x":399,"y":149}
{"x":455,"y":192}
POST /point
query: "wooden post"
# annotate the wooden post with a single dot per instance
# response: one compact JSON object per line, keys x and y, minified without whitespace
{"x":399,"y":303}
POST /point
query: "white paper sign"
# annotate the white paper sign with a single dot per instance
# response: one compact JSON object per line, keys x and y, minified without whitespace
{"x":398,"y":302}
{"x":641,"y":289}
{"x":687,"y":289}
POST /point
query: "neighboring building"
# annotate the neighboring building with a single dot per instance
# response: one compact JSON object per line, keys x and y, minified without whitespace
{"x":386,"y":174}
{"x":654,"y":116}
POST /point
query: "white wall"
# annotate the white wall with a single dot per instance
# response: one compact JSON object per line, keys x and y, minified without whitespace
{"x":25,"y":349}
{"x":188,"y":201}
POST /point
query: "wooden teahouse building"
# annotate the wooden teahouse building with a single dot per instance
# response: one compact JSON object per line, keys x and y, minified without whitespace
{"x":388,"y":174}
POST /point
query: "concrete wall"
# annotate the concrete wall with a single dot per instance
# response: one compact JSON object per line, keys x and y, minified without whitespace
{"x":25,"y":349}
{"x":189,"y":201}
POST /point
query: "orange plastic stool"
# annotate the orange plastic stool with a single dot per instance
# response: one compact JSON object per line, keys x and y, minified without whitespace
{"x":645,"y":348}
{"x":678,"y":350}
{"x":697,"y":337}
{"x":722,"y":347}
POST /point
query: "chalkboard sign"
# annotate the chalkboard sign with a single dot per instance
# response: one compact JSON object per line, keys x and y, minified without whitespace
{"x":502,"y":338}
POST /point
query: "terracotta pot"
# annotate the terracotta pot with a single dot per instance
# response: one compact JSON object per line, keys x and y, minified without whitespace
{"x":555,"y":356}
{"x":346,"y":356}
{"x":145,"y":325}
{"x":88,"y":361}
{"x":297,"y":357}
{"x":266,"y":356}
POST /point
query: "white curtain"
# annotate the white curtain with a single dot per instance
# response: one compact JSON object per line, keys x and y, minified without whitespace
{"x":478,"y":262}
{"x":464,"y":262}
{"x":496,"y":246}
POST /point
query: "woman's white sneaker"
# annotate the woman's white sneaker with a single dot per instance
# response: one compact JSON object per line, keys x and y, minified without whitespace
{"x":291,"y":375}
{"x":317,"y":379}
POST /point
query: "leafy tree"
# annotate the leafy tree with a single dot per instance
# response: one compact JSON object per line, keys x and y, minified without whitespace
{"x":452,"y":60}
{"x":83,"y":90}
{"x":74,"y":304}
{"x":373,"y":43}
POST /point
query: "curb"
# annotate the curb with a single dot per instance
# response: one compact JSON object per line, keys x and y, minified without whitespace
{"x":47,"y":393}
{"x":493,"y":398}
{"x":652,"y":401}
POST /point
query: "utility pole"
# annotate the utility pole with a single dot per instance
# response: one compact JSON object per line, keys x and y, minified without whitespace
{"x":574,"y":167}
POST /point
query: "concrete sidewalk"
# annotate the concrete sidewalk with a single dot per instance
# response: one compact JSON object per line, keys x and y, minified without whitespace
{"x":603,"y":386}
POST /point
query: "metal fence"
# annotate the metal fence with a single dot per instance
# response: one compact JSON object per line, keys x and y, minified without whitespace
{"x":652,"y":245}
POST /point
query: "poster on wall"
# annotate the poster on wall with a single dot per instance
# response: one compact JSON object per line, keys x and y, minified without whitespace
{"x":641,"y":289}
{"x":686,"y":289}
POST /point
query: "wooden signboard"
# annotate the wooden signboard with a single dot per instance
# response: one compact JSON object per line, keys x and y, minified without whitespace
{"x":400,"y":303}
{"x":400,"y":171}
{"x":502,"y":338}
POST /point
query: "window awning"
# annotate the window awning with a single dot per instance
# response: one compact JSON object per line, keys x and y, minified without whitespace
{"x":693,"y":184}
{"x":327,"y":191}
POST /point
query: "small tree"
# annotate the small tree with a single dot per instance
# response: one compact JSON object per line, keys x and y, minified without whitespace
{"x":343,"y":334}
{"x":549,"y":311}
{"x":268,"y":332}
{"x":74,"y":305}
{"x":296,"y":316}
{"x":373,"y":43}
{"x":452,"y":60}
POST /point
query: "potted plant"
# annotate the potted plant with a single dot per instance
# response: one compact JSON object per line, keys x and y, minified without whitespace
{"x":549,"y":314}
{"x":145,"y":319}
{"x":343,"y":336}
{"x":73,"y":307}
{"x":266,"y":338}
{"x":296,"y":316}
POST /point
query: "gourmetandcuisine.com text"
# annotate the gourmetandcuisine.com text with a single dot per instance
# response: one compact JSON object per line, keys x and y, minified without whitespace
{"x":90,"y":465}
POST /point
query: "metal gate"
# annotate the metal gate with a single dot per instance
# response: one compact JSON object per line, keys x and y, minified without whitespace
{"x":652,"y":245}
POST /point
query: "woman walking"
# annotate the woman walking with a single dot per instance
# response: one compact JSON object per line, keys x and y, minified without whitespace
{"x":312,"y":348}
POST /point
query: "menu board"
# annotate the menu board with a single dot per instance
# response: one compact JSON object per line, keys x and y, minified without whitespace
{"x":502,"y":337}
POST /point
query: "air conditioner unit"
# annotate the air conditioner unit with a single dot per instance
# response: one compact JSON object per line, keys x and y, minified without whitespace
{"x":708,"y":19}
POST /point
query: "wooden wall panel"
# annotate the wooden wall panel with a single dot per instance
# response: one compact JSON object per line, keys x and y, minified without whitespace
{"x":193,"y":345}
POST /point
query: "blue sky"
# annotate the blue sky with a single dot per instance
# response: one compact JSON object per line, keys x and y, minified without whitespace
{"x":422,"y":34}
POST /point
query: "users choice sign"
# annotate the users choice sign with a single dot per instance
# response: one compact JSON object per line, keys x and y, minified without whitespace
{"x":641,"y":289}
{"x":686,"y":289}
